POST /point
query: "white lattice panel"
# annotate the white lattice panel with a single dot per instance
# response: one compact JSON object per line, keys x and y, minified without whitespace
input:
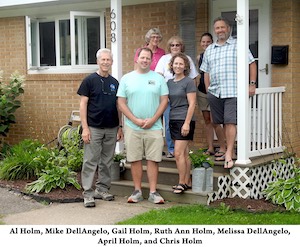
{"x":240,"y":182}
{"x":224,"y":190}
{"x":249,"y":182}
{"x":262,"y":175}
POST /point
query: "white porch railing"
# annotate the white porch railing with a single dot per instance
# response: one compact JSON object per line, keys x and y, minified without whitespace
{"x":265,"y":109}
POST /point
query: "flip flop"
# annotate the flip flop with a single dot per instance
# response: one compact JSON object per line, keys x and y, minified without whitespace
{"x":219,"y":154}
{"x":207,"y":152}
{"x":220,"y":158}
{"x":228,"y":164}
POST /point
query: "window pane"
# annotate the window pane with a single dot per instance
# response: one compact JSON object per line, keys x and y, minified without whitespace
{"x":87,"y":36}
{"x":47,"y":44}
{"x":64,"y":40}
{"x":34,"y":44}
{"x":93,"y":39}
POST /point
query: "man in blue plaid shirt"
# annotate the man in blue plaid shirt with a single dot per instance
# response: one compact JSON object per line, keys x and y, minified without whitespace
{"x":220,"y":75}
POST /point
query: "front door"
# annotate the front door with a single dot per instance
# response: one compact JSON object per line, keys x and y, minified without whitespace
{"x":259,"y":32}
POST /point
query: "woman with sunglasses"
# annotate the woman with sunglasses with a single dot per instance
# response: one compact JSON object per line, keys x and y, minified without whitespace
{"x":175,"y":45}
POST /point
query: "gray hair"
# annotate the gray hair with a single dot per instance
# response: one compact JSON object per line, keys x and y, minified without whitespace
{"x":154,"y":30}
{"x":103,"y":50}
{"x":220,"y":18}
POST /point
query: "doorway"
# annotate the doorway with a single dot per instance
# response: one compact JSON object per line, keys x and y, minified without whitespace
{"x":259,"y":32}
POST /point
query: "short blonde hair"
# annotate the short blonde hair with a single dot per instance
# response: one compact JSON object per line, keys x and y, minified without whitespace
{"x":176,"y":39}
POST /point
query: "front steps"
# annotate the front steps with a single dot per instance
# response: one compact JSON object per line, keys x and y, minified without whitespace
{"x":168,"y":176}
{"x":243,"y":181}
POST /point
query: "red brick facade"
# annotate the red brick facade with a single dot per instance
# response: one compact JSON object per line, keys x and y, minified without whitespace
{"x":49,"y":99}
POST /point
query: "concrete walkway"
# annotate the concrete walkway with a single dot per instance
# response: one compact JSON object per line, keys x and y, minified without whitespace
{"x":17,"y":209}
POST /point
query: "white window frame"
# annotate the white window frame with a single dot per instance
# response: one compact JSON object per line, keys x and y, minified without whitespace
{"x":61,"y":69}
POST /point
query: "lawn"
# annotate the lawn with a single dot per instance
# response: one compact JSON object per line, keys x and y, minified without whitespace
{"x":204,"y":215}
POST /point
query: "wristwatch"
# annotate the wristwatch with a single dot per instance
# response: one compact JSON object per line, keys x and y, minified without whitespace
{"x":252,"y":83}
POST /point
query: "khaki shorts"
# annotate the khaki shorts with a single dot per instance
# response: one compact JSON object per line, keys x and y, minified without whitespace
{"x":148,"y":143}
{"x":202,"y":101}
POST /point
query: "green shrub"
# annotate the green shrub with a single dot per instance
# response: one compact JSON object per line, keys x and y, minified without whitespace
{"x":72,"y":152}
{"x":8,"y":102}
{"x":21,"y":161}
{"x":285,"y":192}
{"x":50,"y":166}
{"x":28,"y":158}
{"x":56,"y":177}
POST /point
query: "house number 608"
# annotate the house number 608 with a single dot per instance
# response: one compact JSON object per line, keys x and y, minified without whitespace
{"x":113,"y":26}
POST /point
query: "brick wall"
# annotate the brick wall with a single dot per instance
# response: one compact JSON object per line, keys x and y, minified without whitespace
{"x":49,"y":99}
{"x":285,"y":26}
{"x":12,"y":43}
{"x":201,"y":27}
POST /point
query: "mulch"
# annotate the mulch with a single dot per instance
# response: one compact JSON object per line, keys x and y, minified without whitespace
{"x":71,"y":194}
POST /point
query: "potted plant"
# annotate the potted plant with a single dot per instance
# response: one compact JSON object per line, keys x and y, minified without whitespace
{"x":202,"y":174}
{"x":119,"y":156}
{"x":117,"y":166}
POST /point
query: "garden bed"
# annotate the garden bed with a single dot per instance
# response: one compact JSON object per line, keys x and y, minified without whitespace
{"x":71,"y":194}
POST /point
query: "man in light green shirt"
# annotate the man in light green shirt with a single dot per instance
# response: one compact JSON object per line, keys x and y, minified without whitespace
{"x":142,"y":98}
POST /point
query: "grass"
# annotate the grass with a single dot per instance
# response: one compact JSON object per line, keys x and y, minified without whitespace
{"x":204,"y":215}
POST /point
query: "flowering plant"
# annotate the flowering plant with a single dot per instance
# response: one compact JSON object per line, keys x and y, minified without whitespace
{"x":8,"y":102}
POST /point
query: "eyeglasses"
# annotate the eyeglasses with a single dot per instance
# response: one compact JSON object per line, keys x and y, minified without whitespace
{"x":103,"y":91}
{"x":177,"y":45}
{"x":155,"y":37}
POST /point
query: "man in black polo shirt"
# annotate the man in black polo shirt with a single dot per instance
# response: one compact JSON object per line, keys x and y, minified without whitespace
{"x":101,"y":128}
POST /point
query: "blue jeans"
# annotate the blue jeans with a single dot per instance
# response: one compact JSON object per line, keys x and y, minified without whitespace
{"x":169,"y":141}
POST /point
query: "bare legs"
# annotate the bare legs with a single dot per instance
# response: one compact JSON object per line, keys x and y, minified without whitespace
{"x":137,"y":173}
{"x":183,"y":163}
{"x":230,"y":132}
{"x":210,"y":128}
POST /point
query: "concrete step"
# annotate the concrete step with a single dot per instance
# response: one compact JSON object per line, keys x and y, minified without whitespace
{"x":171,"y":163}
{"x":166,"y":176}
{"x":125,"y":188}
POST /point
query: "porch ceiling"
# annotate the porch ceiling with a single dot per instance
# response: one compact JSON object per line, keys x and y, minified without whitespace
{"x":41,"y":7}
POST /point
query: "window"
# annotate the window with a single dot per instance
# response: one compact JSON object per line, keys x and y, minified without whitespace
{"x":60,"y":45}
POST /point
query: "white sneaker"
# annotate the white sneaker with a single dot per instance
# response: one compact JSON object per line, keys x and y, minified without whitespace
{"x":156,"y":198}
{"x":136,"y":196}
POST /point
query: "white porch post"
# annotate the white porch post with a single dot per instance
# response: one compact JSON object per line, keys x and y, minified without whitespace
{"x":116,"y":37}
{"x":243,"y":135}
